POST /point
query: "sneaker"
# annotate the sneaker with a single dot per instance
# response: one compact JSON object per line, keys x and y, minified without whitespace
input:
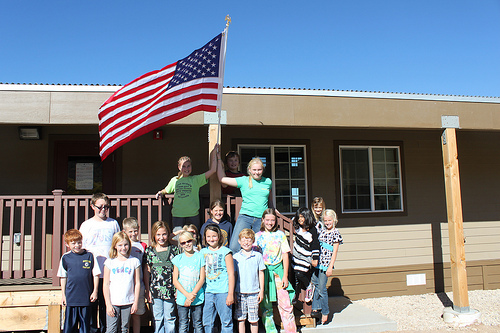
{"x":316,"y":314}
{"x":309,"y":293}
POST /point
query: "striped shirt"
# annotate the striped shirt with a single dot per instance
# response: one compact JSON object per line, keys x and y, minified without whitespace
{"x":305,"y":248}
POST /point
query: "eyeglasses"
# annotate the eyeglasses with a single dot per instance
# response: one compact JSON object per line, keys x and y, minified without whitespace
{"x":186,"y":242}
{"x":102,"y":207}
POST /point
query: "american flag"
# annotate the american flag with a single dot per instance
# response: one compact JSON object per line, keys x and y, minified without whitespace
{"x":163,"y":96}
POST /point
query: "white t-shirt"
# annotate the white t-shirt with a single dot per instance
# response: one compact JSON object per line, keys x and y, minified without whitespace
{"x":121,"y":280}
{"x":97,"y":236}
{"x":137,"y":251}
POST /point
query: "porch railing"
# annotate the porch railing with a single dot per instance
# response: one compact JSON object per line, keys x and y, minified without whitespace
{"x":32,"y":227}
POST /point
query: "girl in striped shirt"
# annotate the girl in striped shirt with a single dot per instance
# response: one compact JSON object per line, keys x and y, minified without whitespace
{"x":305,"y":248}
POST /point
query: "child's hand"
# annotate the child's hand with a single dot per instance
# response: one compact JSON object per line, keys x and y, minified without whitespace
{"x":63,"y":300}
{"x":191,"y":297}
{"x":217,"y":151}
{"x":314,"y":263}
{"x":329,"y":272}
{"x":187,"y":302}
{"x":230,"y":299}
{"x":133,"y":309}
{"x":110,"y":311}
{"x":148,"y":297}
{"x":261,"y":296}
{"x":93,"y":296}
{"x":284,"y":282}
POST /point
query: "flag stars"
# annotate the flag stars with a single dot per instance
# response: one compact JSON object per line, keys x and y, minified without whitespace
{"x":202,"y":63}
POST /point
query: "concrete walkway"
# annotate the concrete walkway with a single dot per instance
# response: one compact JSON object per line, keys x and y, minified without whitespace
{"x":350,"y":317}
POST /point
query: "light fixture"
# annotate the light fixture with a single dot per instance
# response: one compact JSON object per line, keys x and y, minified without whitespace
{"x":157,"y":135}
{"x":29,"y":133}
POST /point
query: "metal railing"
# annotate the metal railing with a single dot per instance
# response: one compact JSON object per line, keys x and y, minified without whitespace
{"x":32,"y":226}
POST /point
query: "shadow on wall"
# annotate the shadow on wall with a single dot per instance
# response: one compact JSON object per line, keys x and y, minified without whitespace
{"x":340,"y":303}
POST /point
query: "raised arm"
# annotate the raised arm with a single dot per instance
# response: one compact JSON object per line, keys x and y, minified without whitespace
{"x":213,"y":163}
{"x":222,"y":175}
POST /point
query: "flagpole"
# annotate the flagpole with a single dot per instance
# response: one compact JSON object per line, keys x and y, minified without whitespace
{"x":214,"y":133}
{"x":222,"y":66}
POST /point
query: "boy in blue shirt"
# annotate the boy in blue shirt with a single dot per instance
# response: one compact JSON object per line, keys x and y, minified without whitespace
{"x":249,"y":267}
{"x":79,"y":273}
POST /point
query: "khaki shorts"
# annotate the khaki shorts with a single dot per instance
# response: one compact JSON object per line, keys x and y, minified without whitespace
{"x":141,"y":307}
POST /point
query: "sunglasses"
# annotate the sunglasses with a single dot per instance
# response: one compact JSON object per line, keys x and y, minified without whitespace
{"x":102,"y":207}
{"x":189,"y":241}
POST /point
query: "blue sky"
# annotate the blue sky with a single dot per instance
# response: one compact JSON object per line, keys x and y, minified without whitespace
{"x":432,"y":47}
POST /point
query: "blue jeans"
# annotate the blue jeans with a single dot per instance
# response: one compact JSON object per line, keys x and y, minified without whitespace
{"x":182,"y":221}
{"x":196,"y":314}
{"x":163,"y":311}
{"x":243,"y":221}
{"x":320,"y":299}
{"x":216,"y":303}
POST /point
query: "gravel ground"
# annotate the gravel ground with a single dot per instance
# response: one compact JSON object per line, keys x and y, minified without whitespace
{"x":423,"y":313}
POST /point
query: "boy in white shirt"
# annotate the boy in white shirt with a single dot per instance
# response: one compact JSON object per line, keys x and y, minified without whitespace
{"x":97,"y":234}
{"x":131,"y":227}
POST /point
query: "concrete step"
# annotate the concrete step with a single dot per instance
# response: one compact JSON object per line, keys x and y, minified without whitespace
{"x":349,"y":317}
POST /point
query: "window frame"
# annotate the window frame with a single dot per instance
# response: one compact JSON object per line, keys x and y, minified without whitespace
{"x":272,"y":145}
{"x":338,"y":145}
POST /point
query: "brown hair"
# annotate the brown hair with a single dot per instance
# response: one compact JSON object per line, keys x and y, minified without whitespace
{"x":154,"y":229}
{"x":214,"y":228}
{"x":269,"y":211}
{"x":72,"y":235}
{"x":216,"y":203}
{"x":97,"y":196}
{"x":231,"y":154}
{"x":118,"y":237}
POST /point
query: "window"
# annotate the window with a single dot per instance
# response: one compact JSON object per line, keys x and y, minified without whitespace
{"x":286,"y":166}
{"x":370,"y":179}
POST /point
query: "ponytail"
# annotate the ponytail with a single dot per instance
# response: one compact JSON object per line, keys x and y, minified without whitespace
{"x":253,"y":161}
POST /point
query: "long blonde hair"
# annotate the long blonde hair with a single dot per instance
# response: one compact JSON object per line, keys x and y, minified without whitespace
{"x":253,"y":161}
{"x":318,"y":201}
{"x":118,"y":237}
{"x":196,"y":234}
{"x":180,"y":162}
{"x":187,"y":236}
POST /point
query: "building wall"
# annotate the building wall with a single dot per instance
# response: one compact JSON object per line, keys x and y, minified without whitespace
{"x":57,"y":105}
{"x":378,"y":251}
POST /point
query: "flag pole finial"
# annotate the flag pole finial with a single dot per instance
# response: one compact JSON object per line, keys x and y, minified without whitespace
{"x":228,"y":20}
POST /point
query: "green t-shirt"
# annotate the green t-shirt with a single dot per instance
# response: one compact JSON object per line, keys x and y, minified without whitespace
{"x":255,"y":199}
{"x":187,"y":195}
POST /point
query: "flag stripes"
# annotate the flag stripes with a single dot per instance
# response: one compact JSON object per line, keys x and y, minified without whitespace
{"x":162,"y":96}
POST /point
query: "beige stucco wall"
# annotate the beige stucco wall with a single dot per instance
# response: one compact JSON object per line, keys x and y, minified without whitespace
{"x":417,"y":238}
{"x":55,"y":105}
